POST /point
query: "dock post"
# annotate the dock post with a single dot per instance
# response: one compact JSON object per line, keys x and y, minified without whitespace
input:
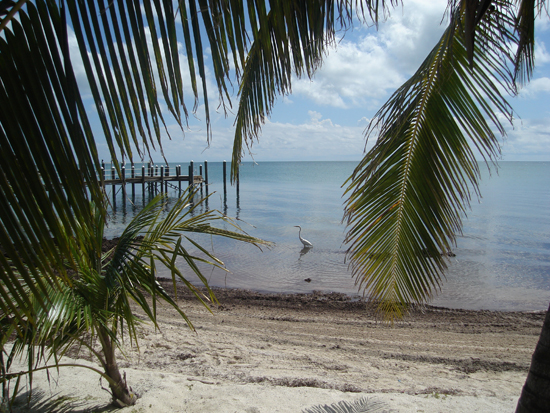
{"x":161,"y":178}
{"x":206,"y":176}
{"x":178,"y":172}
{"x":133,"y":183}
{"x":237,"y":180}
{"x":224,"y":178}
{"x":202,"y":179}
{"x":191,"y":177}
{"x":225,"y":187}
{"x":150,"y":173}
{"x":167,"y":173}
{"x":156,"y":174}
{"x":143,"y":181}
{"x":102,"y":178}
{"x":123,"y":180}
{"x":113,"y":186}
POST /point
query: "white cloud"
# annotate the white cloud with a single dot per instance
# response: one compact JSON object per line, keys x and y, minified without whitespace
{"x":315,"y":139}
{"x":535,"y":88}
{"x":365,"y":68}
{"x":358,"y":76}
{"x":541,"y":54}
{"x":314,"y":115}
{"x":412,"y":31}
{"x":351,"y":75}
{"x":529,"y":140}
{"x":542,"y":22}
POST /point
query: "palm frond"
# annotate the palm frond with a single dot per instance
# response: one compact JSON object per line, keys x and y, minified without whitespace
{"x":95,"y":299}
{"x":528,"y":10}
{"x":407,"y":194}
{"x":132,"y":268}
{"x":289,"y":40}
{"x":47,"y":148}
{"x":362,"y":405}
{"x":51,"y":164}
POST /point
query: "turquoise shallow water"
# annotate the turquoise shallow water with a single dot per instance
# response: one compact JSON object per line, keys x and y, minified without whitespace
{"x":502,"y":258}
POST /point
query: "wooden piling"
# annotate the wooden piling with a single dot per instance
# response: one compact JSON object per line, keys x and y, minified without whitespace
{"x":200,"y":173}
{"x":225,"y":178}
{"x":156,"y":174}
{"x":113,"y":186}
{"x":237,"y":182}
{"x":143,"y":181}
{"x":133,"y":177}
{"x":191,"y":177}
{"x":206,"y":176}
{"x":123,"y":179}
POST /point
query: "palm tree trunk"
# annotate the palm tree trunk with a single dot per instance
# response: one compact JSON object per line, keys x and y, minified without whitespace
{"x":535,"y":396}
{"x":5,"y":392}
{"x":120,"y":390}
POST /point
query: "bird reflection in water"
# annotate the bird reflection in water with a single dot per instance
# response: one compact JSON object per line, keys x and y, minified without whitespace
{"x":304,"y":251}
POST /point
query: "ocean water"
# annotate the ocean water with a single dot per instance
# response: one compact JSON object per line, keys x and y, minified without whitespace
{"x":502,"y":257}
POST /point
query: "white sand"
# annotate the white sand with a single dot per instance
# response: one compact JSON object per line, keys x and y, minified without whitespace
{"x":78,"y":390}
{"x":261,"y":357}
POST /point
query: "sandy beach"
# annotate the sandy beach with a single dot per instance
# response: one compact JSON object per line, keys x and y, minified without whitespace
{"x":287,"y":353}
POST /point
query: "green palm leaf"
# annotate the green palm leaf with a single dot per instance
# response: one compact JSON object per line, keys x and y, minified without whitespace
{"x":407,"y":195}
{"x":524,"y":63}
{"x":290,"y":39}
{"x":45,"y":150}
{"x":95,"y":300}
{"x":50,"y":167}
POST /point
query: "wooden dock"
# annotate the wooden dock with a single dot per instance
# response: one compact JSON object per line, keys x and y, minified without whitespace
{"x":153,"y":177}
{"x":158,"y":178}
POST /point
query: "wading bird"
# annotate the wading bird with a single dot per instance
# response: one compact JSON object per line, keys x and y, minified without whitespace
{"x":306,"y":243}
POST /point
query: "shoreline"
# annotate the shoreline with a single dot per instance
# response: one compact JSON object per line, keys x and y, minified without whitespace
{"x":336,"y":299}
{"x":469,"y":298}
{"x":260,"y":353}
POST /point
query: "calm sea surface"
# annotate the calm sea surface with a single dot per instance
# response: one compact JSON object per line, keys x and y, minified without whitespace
{"x":502,"y":258}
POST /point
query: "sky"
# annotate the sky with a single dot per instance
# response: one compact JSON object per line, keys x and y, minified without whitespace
{"x":324,"y":119}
